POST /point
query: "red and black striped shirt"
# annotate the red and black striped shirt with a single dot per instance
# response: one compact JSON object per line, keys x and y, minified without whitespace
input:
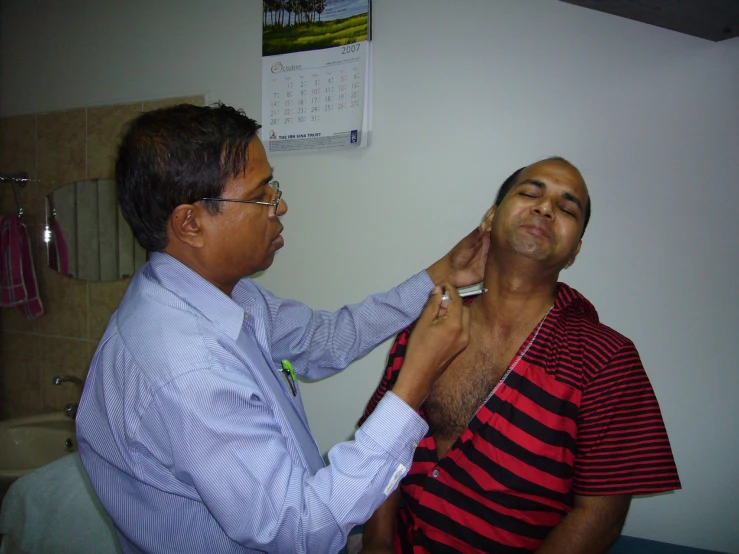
{"x":576,"y":415}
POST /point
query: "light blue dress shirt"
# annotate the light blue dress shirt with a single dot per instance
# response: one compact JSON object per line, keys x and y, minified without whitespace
{"x":192,"y":438}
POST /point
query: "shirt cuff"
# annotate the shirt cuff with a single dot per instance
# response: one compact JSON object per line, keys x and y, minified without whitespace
{"x":396,"y":427}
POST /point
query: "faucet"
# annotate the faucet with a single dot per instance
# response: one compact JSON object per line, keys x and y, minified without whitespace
{"x":71,"y":410}
{"x":59,"y":379}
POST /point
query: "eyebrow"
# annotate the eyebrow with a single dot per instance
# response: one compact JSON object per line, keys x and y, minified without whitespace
{"x":266,"y":181}
{"x":566,"y":195}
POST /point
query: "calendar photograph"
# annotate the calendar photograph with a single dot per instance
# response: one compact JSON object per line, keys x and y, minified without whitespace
{"x":300,"y":25}
{"x":316,"y":75}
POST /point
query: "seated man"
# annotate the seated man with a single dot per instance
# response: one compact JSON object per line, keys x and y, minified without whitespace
{"x":542,"y":429}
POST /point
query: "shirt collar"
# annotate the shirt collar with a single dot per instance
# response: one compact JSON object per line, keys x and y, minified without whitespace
{"x":198,"y":292}
{"x":570,"y":300}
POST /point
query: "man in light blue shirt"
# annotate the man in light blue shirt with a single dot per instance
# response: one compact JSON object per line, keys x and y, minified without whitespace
{"x":191,"y":426}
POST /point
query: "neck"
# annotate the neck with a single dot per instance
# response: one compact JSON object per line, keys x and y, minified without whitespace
{"x":518,"y":292}
{"x":191,"y":259}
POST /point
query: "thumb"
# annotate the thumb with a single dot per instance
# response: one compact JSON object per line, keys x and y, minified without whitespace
{"x":431,"y":309}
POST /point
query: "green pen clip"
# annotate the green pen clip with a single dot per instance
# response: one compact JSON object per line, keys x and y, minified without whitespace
{"x":289,"y":372}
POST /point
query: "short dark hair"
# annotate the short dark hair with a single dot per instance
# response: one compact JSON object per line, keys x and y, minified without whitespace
{"x":175,"y":156}
{"x":507,"y":185}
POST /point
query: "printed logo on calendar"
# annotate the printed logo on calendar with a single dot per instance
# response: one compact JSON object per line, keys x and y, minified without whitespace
{"x":353,"y":138}
{"x":277,"y":67}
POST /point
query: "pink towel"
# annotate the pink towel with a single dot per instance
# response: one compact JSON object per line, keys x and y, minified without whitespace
{"x":12,"y":289}
{"x":58,"y":251}
{"x":18,"y":285}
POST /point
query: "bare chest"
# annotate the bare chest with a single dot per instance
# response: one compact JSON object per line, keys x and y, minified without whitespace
{"x":462,"y":389}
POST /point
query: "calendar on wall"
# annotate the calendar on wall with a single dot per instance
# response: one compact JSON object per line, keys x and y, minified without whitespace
{"x":316,"y":75}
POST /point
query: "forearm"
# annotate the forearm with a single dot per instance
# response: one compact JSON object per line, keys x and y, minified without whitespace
{"x":379,"y":529}
{"x":439,"y":271}
{"x":574,"y":536}
{"x":588,"y":529}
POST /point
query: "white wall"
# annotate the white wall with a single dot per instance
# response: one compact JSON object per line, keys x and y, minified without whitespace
{"x":465,"y":92}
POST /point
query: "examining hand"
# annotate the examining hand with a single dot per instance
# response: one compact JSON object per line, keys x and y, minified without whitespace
{"x":442,"y":332}
{"x":465,"y":263}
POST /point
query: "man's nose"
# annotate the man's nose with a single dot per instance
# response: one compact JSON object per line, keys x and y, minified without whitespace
{"x":282,"y":208}
{"x":544,"y":208}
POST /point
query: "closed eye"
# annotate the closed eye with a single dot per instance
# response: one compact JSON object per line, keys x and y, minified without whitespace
{"x":568,"y":211}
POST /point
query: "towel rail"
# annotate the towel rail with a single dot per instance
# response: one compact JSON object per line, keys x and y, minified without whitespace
{"x":19,"y":179}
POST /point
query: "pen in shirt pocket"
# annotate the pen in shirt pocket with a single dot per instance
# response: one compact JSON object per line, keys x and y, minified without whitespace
{"x":289,"y":373}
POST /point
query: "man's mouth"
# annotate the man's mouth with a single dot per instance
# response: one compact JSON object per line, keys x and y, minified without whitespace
{"x":536,"y":230}
{"x":279,"y":240}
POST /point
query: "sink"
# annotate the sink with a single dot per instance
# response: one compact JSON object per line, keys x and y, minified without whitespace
{"x":27,"y":443}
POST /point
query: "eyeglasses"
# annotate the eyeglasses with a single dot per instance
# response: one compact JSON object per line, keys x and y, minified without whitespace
{"x":275,"y":202}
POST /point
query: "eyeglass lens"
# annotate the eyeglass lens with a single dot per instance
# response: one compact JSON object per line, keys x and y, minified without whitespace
{"x":278,"y":196}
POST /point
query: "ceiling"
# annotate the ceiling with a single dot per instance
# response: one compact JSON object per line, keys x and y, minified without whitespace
{"x":709,"y":19}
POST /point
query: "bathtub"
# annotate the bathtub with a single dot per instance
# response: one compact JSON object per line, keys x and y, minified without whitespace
{"x":27,"y":443}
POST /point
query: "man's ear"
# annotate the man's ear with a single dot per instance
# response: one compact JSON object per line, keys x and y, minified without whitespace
{"x":186,"y":225}
{"x":488,"y":219}
{"x":573,"y":257}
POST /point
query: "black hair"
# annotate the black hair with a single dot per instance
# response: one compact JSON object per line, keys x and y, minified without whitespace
{"x":508,"y":184}
{"x":178,"y":155}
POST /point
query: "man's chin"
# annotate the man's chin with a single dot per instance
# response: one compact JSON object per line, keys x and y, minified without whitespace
{"x":530,"y":249}
{"x":269,"y":259}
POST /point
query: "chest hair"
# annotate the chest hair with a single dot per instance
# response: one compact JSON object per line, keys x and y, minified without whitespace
{"x":461,"y":390}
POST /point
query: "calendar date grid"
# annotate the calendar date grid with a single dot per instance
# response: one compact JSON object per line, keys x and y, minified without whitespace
{"x":307,"y":97}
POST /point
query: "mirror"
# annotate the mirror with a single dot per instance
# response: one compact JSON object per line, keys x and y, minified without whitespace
{"x":86,"y":235}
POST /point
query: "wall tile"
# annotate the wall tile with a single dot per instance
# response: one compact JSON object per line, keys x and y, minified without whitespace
{"x":21,"y":394}
{"x":197,"y":100}
{"x":18,"y":139}
{"x":60,"y":147}
{"x":14,"y":320}
{"x":65,"y":305}
{"x":18,"y":153}
{"x":104,"y":127}
{"x":59,"y":356}
{"x":104,"y":300}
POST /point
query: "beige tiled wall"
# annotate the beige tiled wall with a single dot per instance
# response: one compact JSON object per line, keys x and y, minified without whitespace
{"x":55,"y":149}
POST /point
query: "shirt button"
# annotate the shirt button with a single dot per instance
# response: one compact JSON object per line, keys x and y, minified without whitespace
{"x":435,"y":473}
